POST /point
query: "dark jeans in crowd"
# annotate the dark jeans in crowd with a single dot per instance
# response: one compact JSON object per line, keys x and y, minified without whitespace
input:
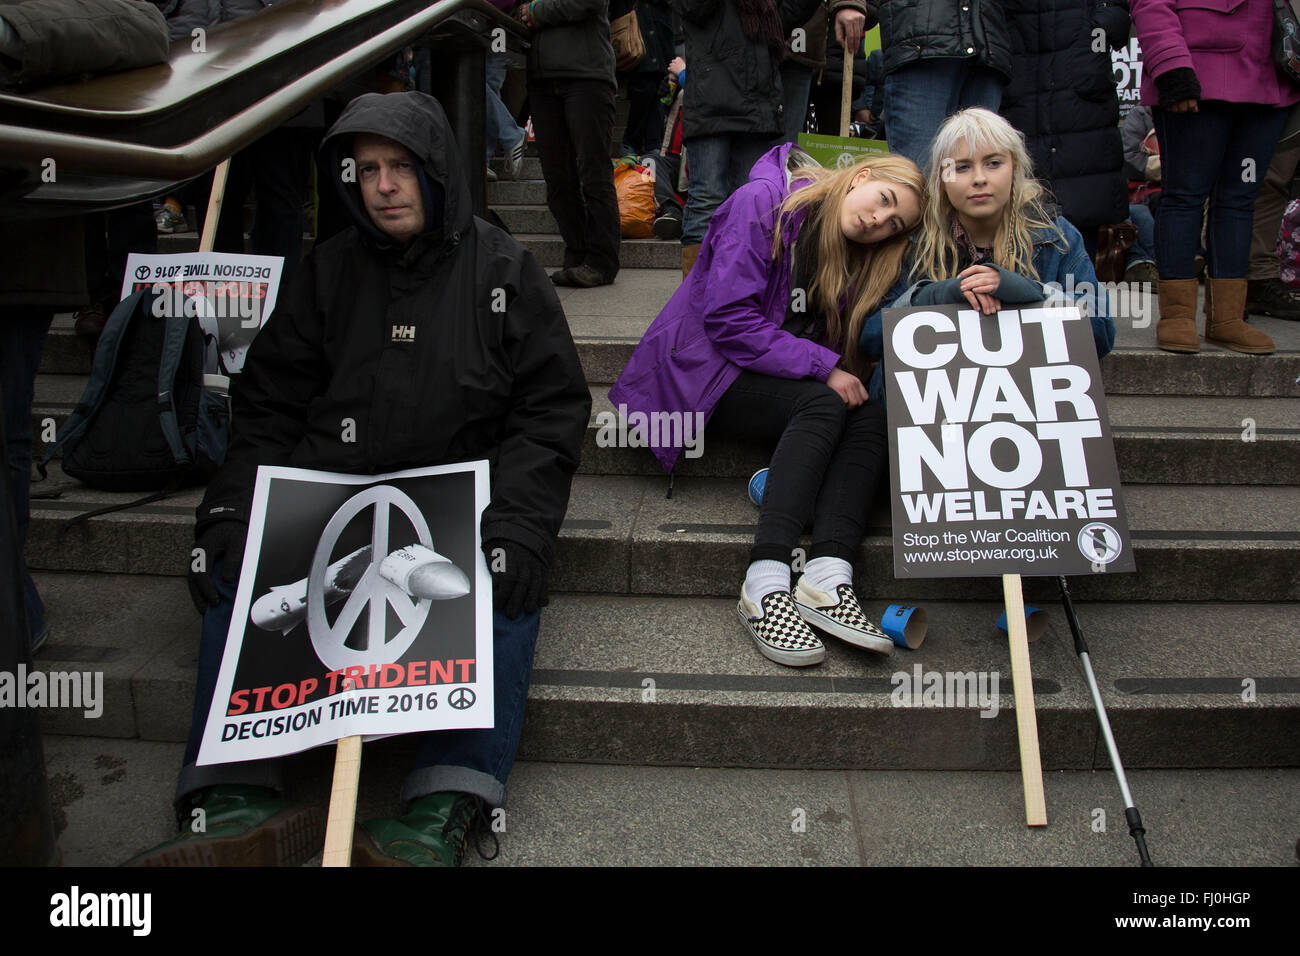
{"x":500,"y":128}
{"x":920,"y":96}
{"x":465,"y":761}
{"x":718,"y":166}
{"x":22,"y":336}
{"x":667,"y":169}
{"x":573,"y":124}
{"x":827,"y":465}
{"x":1144,"y":247}
{"x":1221,"y":153}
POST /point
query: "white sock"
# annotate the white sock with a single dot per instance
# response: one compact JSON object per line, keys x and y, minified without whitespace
{"x":826,"y":574}
{"x":764,"y":577}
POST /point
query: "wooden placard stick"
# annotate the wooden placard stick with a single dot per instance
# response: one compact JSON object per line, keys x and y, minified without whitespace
{"x":343,"y":803}
{"x":218,"y":193}
{"x":1031,"y":765}
{"x":846,"y":91}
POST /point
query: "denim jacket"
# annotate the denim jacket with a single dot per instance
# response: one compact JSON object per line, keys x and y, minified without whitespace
{"x":1066,"y":274}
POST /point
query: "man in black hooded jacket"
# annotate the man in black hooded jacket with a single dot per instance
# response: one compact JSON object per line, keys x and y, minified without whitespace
{"x":420,"y":336}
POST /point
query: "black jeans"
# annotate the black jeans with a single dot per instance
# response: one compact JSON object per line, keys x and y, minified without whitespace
{"x":573,"y":122}
{"x":827,"y":465}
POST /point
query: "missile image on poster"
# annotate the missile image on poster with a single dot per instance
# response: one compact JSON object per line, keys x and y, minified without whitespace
{"x":419,"y":571}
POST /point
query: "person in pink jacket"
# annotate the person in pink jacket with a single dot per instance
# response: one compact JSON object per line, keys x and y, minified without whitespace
{"x":1219,"y":108}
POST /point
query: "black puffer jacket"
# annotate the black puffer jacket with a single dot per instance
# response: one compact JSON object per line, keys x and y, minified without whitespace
{"x":62,"y":39}
{"x":571,"y":42}
{"x":733,"y":83}
{"x":914,"y":30}
{"x":1062,"y":97}
{"x":489,"y":372}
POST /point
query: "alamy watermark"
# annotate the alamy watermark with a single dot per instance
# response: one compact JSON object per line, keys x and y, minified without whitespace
{"x":923,"y":688}
{"x":82,"y":909}
{"x":1133,"y":302}
{"x":209,"y":299}
{"x":78,"y":690}
{"x":624,"y":429}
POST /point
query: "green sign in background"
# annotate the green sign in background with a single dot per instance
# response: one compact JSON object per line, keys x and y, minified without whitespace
{"x":834,"y":152}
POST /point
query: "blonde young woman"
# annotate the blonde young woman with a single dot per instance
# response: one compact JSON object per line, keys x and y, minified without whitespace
{"x":759,"y":339}
{"x":988,"y":236}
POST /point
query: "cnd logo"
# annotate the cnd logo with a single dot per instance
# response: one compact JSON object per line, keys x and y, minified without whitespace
{"x":403,"y":333}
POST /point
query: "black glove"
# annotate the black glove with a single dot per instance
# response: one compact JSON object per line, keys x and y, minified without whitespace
{"x":518,"y":577}
{"x":1174,"y":86}
{"x":225,"y":541}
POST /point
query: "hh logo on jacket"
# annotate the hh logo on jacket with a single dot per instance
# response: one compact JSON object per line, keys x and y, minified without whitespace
{"x":403,"y":333}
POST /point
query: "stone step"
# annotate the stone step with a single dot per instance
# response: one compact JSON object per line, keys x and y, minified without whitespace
{"x":531,"y":219}
{"x":632,"y":253}
{"x":677,"y":681}
{"x":622,"y":535}
{"x":1158,"y":439}
{"x":749,"y":817}
{"x":532,"y":168}
{"x":547,"y":246}
{"x":516,"y":192}
{"x":608,"y":322}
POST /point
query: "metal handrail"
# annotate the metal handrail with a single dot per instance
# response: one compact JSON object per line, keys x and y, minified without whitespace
{"x":94,"y":155}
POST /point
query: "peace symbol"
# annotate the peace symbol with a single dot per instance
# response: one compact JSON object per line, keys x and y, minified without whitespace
{"x":461,"y":697}
{"x":372,"y":592}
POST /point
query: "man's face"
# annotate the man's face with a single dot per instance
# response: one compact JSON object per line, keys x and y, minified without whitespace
{"x":390,"y":187}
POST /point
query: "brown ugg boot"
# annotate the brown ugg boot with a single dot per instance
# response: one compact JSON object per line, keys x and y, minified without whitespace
{"x":1224,"y":322}
{"x":1176,"y":330}
{"x":689,"y":254}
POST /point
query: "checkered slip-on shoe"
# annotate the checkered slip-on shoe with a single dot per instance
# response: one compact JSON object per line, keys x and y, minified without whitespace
{"x":840,"y":615}
{"x":779,"y":632}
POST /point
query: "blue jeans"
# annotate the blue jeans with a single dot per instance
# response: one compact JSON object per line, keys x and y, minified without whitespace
{"x":22,"y":336}
{"x":466,"y":761}
{"x":717,"y":167}
{"x":1220,"y":153}
{"x":502,"y":130}
{"x":920,"y":96}
{"x":1144,"y":246}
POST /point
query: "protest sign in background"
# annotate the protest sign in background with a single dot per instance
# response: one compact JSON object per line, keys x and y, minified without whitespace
{"x":331,"y":635}
{"x":230,"y":294}
{"x":1000,"y":446}
{"x":1126,"y":63}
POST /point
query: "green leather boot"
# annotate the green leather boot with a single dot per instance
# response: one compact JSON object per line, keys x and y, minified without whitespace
{"x":242,"y":825}
{"x":432,"y":833}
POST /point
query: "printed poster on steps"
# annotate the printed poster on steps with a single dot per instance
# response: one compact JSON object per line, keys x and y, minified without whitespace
{"x":231,"y":295}
{"x":364,"y":606}
{"x":1001,"y":459}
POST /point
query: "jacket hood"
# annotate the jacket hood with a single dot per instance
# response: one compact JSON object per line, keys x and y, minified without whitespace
{"x":416,"y":121}
{"x":772,"y":166}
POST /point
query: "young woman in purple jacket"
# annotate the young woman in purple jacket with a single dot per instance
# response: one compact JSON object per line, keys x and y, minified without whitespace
{"x":1219,"y":108}
{"x":760,"y":340}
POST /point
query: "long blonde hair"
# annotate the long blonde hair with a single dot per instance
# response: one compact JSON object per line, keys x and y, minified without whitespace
{"x":849,"y":272}
{"x":984,"y":131}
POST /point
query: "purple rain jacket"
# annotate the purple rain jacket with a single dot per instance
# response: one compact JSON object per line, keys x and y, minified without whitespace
{"x":1226,"y":42}
{"x":727,"y":315}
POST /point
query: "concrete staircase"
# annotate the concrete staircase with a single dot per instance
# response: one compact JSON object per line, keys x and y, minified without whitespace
{"x":642,"y":662}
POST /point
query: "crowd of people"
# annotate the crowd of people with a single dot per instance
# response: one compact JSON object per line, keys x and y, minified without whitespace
{"x":1008,"y":171}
